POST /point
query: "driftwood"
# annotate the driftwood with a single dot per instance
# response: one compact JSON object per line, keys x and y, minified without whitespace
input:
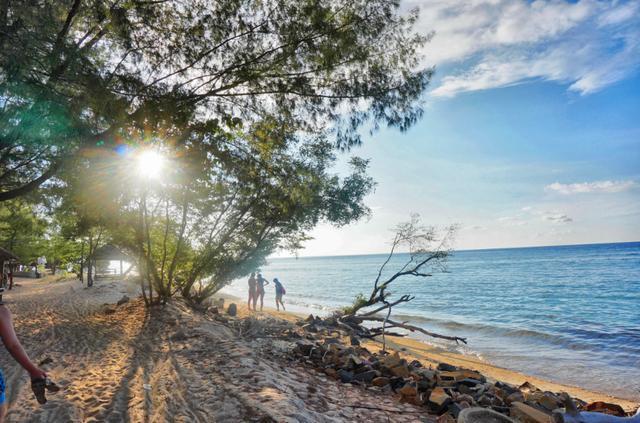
{"x":411,"y":328}
{"x":426,"y":251}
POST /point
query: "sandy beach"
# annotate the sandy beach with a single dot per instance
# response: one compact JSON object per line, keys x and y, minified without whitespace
{"x":168,"y":365}
{"x":125,"y":363}
{"x":414,"y":349}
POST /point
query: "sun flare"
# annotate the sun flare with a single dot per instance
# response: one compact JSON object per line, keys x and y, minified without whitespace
{"x":150,"y":164}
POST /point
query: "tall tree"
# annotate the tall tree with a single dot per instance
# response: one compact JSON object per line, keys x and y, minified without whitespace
{"x":80,"y":76}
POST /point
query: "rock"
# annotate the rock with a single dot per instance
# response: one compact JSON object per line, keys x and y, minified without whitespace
{"x":392,"y":360}
{"x":485,"y":401}
{"x":549,"y":401}
{"x":304,"y":347}
{"x":415,"y":364}
{"x":401,"y":370}
{"x":528,"y":387}
{"x":354,"y":341}
{"x":506,"y":388}
{"x":232,"y":310}
{"x":345,"y":376}
{"x":408,"y":390}
{"x":446,"y":418}
{"x":366,"y":377}
{"x":459,"y":375}
{"x":213,"y":310}
{"x":352,"y":362}
{"x":331,"y":372}
{"x":446,"y":367}
{"x":527,"y":414}
{"x":109,"y":310}
{"x":123,"y":300}
{"x":310,"y":327}
{"x":380,"y":381}
{"x":606,"y":408}
{"x":396,"y":383}
{"x":439,"y":400}
{"x":310,"y":319}
{"x":515,"y":397}
{"x":482,"y":415}
{"x":471,"y":383}
{"x":454,"y":409}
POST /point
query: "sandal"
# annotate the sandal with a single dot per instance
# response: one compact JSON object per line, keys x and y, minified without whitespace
{"x":38,"y":387}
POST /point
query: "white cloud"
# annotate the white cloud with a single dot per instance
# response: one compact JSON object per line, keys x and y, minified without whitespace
{"x":591,"y":187}
{"x":559,"y":218}
{"x":587,"y":44}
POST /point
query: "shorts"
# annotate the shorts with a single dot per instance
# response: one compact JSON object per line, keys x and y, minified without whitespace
{"x":3,"y":397}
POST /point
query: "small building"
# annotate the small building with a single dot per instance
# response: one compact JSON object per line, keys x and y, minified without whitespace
{"x":110,"y":253}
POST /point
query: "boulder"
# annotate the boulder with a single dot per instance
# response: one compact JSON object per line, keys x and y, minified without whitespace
{"x":392,"y":360}
{"x":401,"y":370}
{"x":526,"y":414}
{"x":439,"y":400}
{"x":549,"y":401}
{"x":446,"y":367}
{"x":408,"y":390}
{"x":366,"y":377}
{"x":606,"y":408}
{"x":515,"y":397}
{"x":232,"y":310}
{"x":528,"y":387}
{"x":304,"y":347}
{"x":345,"y":376}
{"x":123,"y":300}
{"x":482,"y":415}
{"x":354,"y":341}
{"x":380,"y":381}
{"x":446,"y":418}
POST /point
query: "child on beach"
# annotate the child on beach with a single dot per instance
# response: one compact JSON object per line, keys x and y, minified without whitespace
{"x":280,"y":291}
{"x":252,"y":291}
{"x":12,"y":344}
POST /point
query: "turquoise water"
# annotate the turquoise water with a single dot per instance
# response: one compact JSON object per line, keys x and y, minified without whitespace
{"x":570,"y":314}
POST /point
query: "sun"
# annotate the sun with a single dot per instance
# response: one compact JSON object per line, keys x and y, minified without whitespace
{"x":150,"y":164}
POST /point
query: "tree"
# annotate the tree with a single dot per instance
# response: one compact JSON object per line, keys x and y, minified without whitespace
{"x":427,"y":251}
{"x":22,"y":229}
{"x":223,"y":203}
{"x":78,"y":78}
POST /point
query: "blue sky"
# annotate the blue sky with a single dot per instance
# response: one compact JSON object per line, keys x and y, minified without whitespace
{"x":531,"y":133}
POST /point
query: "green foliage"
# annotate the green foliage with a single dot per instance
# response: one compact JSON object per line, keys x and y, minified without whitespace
{"x":22,"y":229}
{"x":77,"y":78}
{"x":249,"y":101}
{"x":359,"y":302}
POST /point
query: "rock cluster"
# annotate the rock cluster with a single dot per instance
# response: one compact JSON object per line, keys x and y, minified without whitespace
{"x":444,"y":390}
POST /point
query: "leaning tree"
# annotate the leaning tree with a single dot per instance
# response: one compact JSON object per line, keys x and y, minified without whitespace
{"x":425,"y":251}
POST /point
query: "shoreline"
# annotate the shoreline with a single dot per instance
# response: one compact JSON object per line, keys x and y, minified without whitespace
{"x":416,"y":349}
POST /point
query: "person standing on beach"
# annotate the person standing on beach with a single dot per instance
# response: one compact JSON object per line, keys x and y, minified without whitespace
{"x":280,"y":291}
{"x":12,"y":344}
{"x":261,"y":282}
{"x":252,"y":291}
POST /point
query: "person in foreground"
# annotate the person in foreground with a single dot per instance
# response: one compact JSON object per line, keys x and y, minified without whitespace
{"x":10,"y":340}
{"x":280,"y":291}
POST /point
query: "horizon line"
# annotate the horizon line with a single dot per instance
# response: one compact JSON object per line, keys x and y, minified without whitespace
{"x":465,"y":250}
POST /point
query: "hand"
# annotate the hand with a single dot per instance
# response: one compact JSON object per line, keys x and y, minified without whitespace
{"x":37,"y":373}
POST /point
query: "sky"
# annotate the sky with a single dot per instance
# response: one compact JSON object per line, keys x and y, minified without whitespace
{"x":531,"y":131}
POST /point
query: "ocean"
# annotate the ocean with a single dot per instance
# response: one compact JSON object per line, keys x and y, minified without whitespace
{"x":569,"y":314}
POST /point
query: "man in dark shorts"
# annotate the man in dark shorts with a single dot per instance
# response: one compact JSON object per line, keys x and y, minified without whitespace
{"x":280,"y":291}
{"x":12,"y":344}
{"x":252,"y":291}
{"x":261,"y":282}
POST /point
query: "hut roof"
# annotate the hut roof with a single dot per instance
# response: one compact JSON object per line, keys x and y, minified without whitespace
{"x":7,"y":255}
{"x":110,"y":252}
